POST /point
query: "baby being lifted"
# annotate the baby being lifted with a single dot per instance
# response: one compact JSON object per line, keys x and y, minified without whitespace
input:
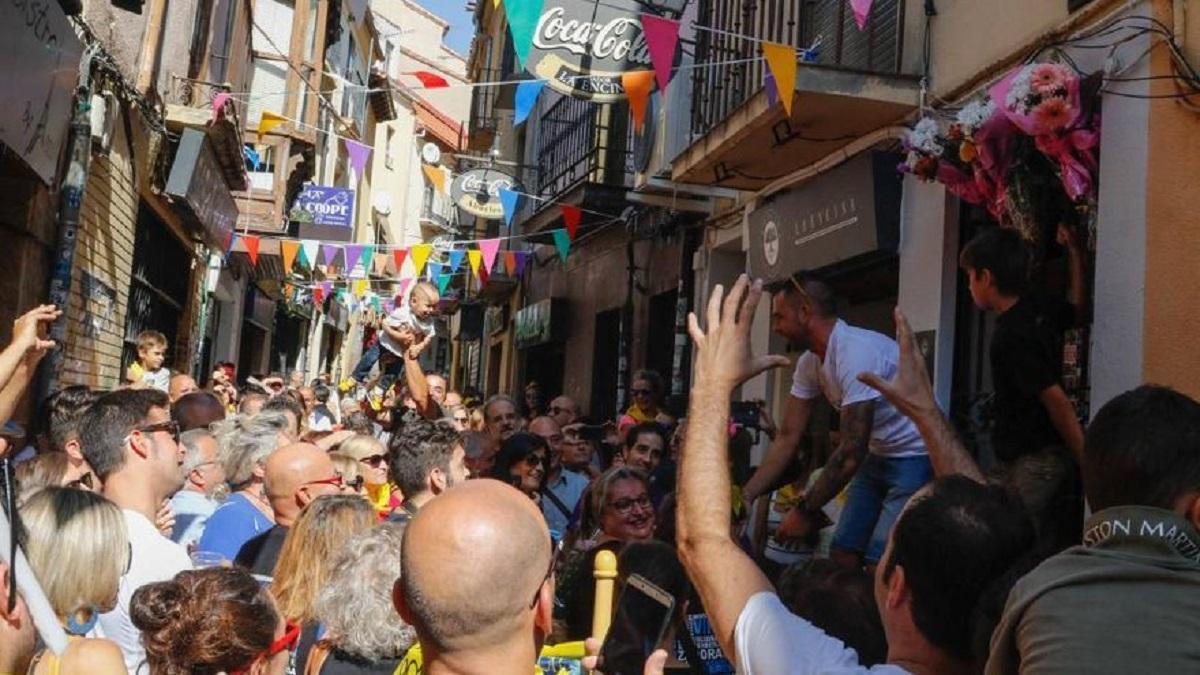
{"x":411,"y":322}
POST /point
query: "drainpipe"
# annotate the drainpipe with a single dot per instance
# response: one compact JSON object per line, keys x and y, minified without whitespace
{"x":151,"y":42}
{"x":70,"y":201}
{"x":626,"y":329}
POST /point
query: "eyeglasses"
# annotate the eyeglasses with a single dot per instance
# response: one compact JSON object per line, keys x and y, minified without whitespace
{"x":555,"y":548}
{"x":625,"y":506}
{"x":170,"y":426}
{"x":335,"y":481}
{"x":374,"y":460}
{"x":84,"y":481}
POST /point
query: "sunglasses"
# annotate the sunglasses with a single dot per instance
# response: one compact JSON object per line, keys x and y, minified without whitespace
{"x":287,"y":641}
{"x":170,"y":426}
{"x":84,"y":481}
{"x":335,"y":481}
{"x":374,"y":460}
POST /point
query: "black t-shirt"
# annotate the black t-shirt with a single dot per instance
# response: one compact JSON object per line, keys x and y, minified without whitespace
{"x":1026,"y":356}
{"x":260,"y":554}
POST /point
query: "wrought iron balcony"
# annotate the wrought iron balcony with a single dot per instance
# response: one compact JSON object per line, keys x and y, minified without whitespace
{"x":580,"y":142}
{"x":727,"y":72}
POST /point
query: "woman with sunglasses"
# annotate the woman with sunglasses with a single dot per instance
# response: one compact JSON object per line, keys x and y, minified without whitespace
{"x":306,"y":560}
{"x":347,"y":467}
{"x":210,"y":621}
{"x":522,"y":463}
{"x":50,"y":469}
{"x":373,"y":467}
{"x":78,"y":548}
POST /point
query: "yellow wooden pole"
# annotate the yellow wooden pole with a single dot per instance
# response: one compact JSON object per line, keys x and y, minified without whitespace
{"x":605,"y":572}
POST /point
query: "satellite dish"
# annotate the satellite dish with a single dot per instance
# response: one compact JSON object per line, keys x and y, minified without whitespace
{"x":431,"y":153}
{"x":382,"y":203}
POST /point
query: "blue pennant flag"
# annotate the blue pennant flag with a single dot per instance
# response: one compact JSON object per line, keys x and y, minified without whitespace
{"x":509,"y":200}
{"x":527,"y":94}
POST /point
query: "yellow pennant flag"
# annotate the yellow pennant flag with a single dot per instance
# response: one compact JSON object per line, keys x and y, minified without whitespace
{"x":781,"y":59}
{"x":495,"y":3}
{"x":475,"y":257}
{"x":269,"y":121}
{"x":637,"y":84}
{"x":435,"y":176}
{"x":289,"y":250}
{"x":419,"y":254}
{"x":360,"y":287}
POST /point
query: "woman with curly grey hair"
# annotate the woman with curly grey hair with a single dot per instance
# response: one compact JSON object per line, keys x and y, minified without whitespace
{"x":245,"y":441}
{"x":363,"y":633}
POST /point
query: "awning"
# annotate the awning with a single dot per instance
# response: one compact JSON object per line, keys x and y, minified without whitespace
{"x":439,"y":125}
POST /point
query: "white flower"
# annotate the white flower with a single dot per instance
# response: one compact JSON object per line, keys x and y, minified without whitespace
{"x":924,"y":137}
{"x":1018,"y":90}
{"x":975,"y":113}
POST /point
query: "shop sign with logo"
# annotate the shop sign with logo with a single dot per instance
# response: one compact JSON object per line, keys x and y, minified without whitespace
{"x":849,"y":211}
{"x":328,"y":205}
{"x":478,"y":192}
{"x":583,"y":47}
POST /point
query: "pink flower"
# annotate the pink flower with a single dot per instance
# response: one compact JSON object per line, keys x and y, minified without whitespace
{"x":1052,"y":114}
{"x":1046,"y":77}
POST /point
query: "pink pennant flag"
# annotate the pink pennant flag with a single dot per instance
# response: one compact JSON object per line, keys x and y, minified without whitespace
{"x":662,"y":37}
{"x":358,"y":154}
{"x":489,"y":248}
{"x":862,"y":9}
{"x":403,"y":287}
{"x":218,"y":104}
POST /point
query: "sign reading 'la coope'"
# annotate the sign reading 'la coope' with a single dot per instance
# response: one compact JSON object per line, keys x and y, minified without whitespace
{"x":478,"y":192}
{"x":583,"y":47}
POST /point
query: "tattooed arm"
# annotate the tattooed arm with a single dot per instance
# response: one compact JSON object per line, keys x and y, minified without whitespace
{"x":857,"y":419}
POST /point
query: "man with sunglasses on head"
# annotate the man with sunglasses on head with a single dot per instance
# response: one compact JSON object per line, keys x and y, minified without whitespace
{"x":880,"y":459}
{"x":204,"y":486}
{"x":295,"y":475}
{"x":132,"y":445}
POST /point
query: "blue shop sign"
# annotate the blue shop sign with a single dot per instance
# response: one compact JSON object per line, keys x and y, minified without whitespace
{"x":329,"y":206}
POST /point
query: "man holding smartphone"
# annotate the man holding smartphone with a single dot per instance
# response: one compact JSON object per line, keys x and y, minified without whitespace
{"x":880,"y":455}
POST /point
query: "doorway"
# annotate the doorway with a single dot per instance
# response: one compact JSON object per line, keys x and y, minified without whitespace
{"x":605,"y":364}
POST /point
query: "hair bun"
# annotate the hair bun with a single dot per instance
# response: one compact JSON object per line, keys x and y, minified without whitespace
{"x":156,"y":606}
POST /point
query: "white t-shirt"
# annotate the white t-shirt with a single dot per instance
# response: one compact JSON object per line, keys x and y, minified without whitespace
{"x":770,"y":640}
{"x":400,"y":317}
{"x":852,"y":351}
{"x":155,"y":558}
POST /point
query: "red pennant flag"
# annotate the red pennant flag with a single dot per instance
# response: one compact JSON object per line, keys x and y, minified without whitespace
{"x":251,"y":247}
{"x":571,"y":217}
{"x":510,"y":263}
{"x":399,"y":255}
{"x":483,"y":277}
{"x":662,"y":38}
{"x":429,"y":80}
{"x":318,"y":295}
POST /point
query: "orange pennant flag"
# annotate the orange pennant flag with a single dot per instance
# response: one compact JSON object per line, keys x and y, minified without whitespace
{"x":781,"y":59}
{"x":251,"y":242}
{"x":289,"y":249}
{"x":269,"y":121}
{"x":436,"y":176}
{"x":637,"y":84}
{"x":510,"y":263}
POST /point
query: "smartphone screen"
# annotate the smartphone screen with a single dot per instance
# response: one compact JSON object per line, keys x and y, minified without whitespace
{"x":644,"y":613}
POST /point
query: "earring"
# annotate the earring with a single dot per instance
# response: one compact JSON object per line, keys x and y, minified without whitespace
{"x":74,"y":627}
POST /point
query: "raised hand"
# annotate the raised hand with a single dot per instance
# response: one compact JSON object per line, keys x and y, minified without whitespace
{"x":31,"y":329}
{"x":910,"y":390}
{"x":723,"y":355}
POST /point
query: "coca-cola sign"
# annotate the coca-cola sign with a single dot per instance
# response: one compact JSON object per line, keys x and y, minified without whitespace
{"x":478,"y":192}
{"x":581,"y":48}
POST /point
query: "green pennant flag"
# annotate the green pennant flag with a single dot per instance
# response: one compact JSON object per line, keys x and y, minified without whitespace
{"x":562,"y":241}
{"x":443,"y":280}
{"x":523,"y":17}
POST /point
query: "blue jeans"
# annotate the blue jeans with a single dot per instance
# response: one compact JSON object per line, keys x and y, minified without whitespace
{"x":874,"y":500}
{"x":369,"y":358}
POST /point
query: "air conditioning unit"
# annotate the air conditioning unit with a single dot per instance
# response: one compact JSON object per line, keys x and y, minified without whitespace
{"x":103,"y":121}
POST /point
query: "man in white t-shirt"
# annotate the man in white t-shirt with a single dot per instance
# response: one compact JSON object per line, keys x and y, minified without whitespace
{"x":132,"y":444}
{"x":951,"y":543}
{"x":880,"y":454}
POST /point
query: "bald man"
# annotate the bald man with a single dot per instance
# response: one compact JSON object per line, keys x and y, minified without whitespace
{"x":294,"y":476}
{"x":564,"y":410}
{"x":563,"y":489}
{"x":180,"y":385}
{"x":476,"y":580}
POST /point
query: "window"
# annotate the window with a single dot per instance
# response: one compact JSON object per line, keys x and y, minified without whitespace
{"x":268,"y":88}
{"x":273,"y":26}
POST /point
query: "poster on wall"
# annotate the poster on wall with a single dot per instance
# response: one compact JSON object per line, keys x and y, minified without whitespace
{"x":478,"y":192}
{"x":583,"y":47}
{"x":325,"y":212}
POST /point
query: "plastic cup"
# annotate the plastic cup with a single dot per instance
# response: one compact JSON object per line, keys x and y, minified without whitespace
{"x":203,"y":559}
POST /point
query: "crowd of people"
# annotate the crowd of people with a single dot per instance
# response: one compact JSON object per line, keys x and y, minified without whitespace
{"x":390,"y":524}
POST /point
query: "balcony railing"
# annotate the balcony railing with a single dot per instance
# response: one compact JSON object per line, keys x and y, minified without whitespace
{"x":579,"y":141}
{"x":734,"y":75}
{"x":483,"y":103}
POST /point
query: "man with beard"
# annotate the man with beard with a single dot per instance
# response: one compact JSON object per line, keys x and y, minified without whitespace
{"x":502,"y":417}
{"x":880,"y":456}
{"x":203,"y":488}
{"x":425,"y":461}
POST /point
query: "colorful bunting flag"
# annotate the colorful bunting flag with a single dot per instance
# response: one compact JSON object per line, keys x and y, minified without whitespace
{"x":233,"y":239}
{"x":399,"y":255}
{"x":562,"y":242}
{"x":308,"y":251}
{"x":433,"y":270}
{"x":862,"y":10}
{"x":455,"y":259}
{"x":289,"y":249}
{"x":318,"y":296}
{"x":429,"y":80}
{"x":329,"y":253}
{"x":420,"y":254}
{"x":380,"y":265}
{"x":404,"y":283}
{"x":637,"y":84}
{"x":443,"y":280}
{"x":522,"y":258}
{"x":489,"y":248}
{"x":781,"y":59}
{"x":662,"y":38}
{"x":368,"y":255}
{"x":571,"y":217}
{"x":360,"y":288}
{"x":218,"y":104}
{"x":508,"y":201}
{"x":527,"y":94}
{"x":770,"y":88}
{"x":269,"y":121}
{"x":327,"y":286}
{"x":353,"y":253}
{"x":251,"y":247}
{"x":436,"y":176}
{"x":358,"y":154}
{"x":523,"y":16}
{"x":510,"y":263}
{"x":475,"y":258}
